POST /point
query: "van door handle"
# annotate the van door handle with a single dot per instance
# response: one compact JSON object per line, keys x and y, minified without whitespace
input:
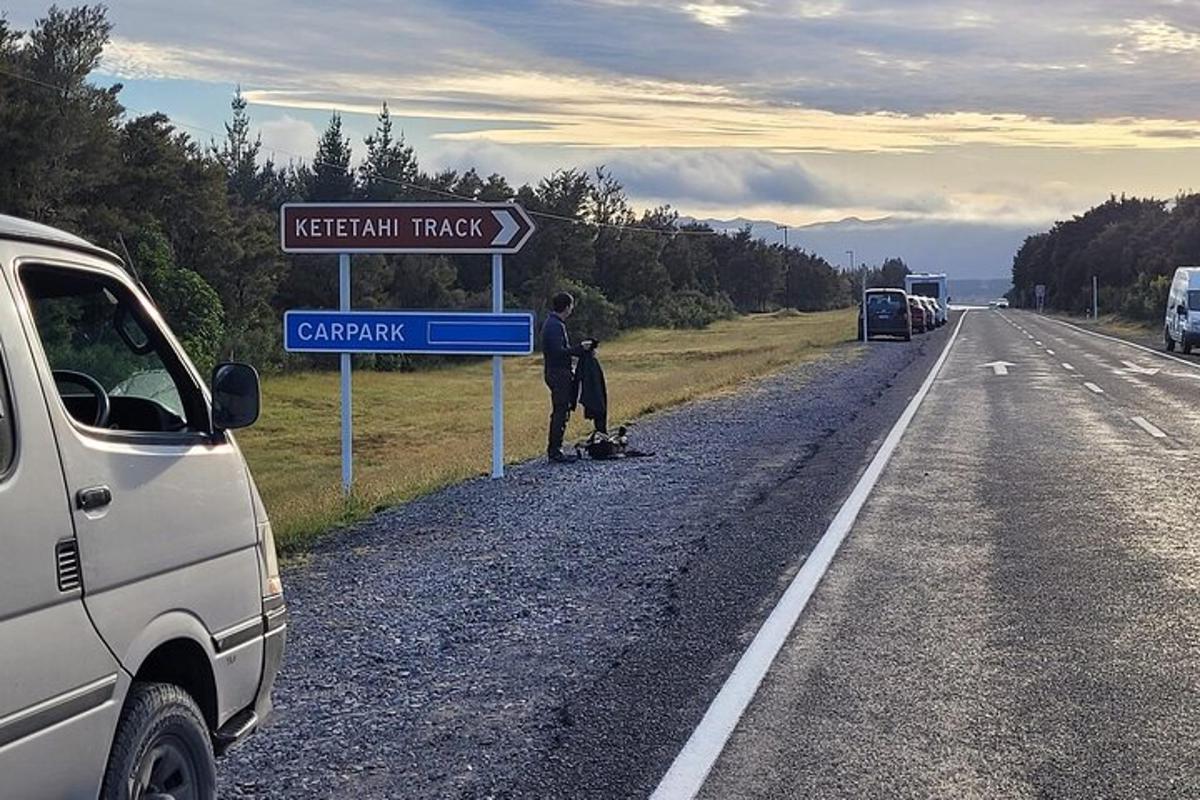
{"x":93,"y":498}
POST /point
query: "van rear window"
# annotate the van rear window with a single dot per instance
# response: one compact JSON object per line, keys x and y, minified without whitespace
{"x":885,"y":302}
{"x":928,"y":290}
{"x":1194,"y":300}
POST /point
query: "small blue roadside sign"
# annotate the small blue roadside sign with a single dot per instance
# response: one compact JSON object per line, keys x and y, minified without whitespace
{"x":428,"y":332}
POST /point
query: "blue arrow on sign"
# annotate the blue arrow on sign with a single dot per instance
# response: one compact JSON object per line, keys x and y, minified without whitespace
{"x":446,"y":333}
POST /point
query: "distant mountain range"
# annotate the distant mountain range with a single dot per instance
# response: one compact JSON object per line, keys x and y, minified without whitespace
{"x":962,"y":250}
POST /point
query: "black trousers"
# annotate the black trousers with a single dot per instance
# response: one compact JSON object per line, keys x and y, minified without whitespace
{"x":560,"y":383}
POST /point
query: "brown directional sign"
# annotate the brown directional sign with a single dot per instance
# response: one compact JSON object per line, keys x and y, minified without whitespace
{"x":404,"y":227}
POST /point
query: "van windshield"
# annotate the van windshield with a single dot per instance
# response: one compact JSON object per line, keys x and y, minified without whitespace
{"x":1194,"y":299}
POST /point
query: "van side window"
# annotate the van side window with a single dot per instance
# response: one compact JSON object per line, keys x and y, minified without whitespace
{"x":112,"y":366}
{"x":8,"y":434}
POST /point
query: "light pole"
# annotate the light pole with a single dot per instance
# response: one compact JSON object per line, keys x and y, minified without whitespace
{"x":783,"y":228}
{"x":866,"y":337}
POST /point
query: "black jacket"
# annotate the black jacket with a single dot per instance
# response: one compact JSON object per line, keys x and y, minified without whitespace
{"x":591,"y":390}
{"x":556,"y":347}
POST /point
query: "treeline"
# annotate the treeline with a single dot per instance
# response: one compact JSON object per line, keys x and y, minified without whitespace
{"x":1131,"y":245}
{"x":200,"y":220}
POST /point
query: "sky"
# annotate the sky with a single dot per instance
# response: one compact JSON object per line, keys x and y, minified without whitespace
{"x":800,"y":111}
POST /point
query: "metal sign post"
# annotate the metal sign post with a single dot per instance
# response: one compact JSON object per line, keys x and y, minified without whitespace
{"x":346,"y":369}
{"x":461,"y":228}
{"x":498,"y":374}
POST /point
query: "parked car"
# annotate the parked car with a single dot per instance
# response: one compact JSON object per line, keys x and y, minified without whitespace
{"x":142,"y":619}
{"x":932,"y":312}
{"x":919,"y":314}
{"x":1182,"y":324}
{"x":940,"y":309}
{"x":887,"y":314}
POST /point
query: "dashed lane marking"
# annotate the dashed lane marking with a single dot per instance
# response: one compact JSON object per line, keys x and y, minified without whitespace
{"x":1148,"y":427}
{"x":1093,"y":388}
{"x":1068,"y":367}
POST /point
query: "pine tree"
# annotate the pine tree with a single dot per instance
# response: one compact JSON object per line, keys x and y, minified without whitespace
{"x":239,"y":154}
{"x":390,"y":171}
{"x":331,"y":180}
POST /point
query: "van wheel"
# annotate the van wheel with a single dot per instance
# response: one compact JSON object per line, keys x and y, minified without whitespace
{"x":1186,"y":347}
{"x":1170,"y":343}
{"x":162,"y":748}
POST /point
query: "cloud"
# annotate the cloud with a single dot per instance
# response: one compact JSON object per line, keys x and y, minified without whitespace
{"x":716,"y":15}
{"x":1159,"y":36}
{"x":286,"y":137}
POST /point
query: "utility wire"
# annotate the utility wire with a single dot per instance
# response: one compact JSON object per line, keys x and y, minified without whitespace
{"x":385,"y":178}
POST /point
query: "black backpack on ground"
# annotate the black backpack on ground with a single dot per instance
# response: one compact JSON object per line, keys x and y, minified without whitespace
{"x":608,"y":446}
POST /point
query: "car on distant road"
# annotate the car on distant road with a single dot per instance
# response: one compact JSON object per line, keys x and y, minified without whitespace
{"x":1182,"y":324}
{"x":888,"y":314}
{"x":142,"y":620}
{"x":999,"y":303}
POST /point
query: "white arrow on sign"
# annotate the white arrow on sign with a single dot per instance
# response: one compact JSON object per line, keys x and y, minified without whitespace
{"x":1000,"y":367}
{"x":508,"y":228}
{"x":1139,"y":369}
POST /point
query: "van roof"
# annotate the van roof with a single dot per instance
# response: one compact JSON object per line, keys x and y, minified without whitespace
{"x":882,"y":289}
{"x":25,"y":231}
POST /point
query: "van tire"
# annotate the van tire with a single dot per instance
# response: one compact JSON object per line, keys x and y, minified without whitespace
{"x":1170,"y":343}
{"x":161,"y":728}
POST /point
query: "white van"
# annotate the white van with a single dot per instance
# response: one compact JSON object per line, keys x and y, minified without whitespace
{"x":1182,"y":324}
{"x":932,"y":285}
{"x":141,"y":614}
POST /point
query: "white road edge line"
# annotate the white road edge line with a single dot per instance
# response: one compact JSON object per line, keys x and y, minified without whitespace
{"x":1094,"y":388}
{"x":1126,"y":342}
{"x":690,"y":769}
{"x":1142,"y":423}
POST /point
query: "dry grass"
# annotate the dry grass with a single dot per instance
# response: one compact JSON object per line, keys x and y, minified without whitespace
{"x":421,"y":431}
{"x":1116,"y":325}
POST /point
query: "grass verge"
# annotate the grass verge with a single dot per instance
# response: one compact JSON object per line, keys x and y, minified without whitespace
{"x":417,"y":432}
{"x":1121,"y":327}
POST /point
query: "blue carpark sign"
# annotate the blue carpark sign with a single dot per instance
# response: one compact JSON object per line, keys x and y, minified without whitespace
{"x":429,"y":332}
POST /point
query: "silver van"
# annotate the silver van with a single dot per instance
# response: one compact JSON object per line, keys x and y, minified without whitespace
{"x":1182,"y":323}
{"x":141,"y":613}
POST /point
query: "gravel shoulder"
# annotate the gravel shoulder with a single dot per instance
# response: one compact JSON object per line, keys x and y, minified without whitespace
{"x":559,"y":633}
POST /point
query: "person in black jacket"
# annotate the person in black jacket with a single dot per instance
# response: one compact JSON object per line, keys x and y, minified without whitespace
{"x":557,"y":355}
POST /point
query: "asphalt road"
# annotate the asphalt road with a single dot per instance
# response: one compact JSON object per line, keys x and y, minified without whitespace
{"x":1016,"y":612}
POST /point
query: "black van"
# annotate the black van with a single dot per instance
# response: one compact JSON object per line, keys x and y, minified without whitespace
{"x":887,"y":314}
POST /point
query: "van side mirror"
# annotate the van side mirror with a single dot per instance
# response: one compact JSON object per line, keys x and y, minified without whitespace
{"x":237,"y":396}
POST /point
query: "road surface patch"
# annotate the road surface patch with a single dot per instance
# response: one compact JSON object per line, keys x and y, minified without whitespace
{"x":691,"y":767}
